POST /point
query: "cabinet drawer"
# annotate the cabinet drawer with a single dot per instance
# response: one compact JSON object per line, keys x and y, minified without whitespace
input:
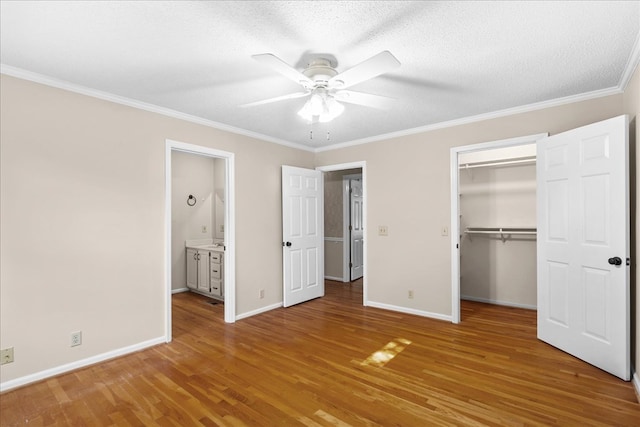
{"x":216,"y":287}
{"x":216,"y":257}
{"x":216,"y":271}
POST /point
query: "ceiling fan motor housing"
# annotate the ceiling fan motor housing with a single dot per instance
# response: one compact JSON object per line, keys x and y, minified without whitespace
{"x":320,"y":71}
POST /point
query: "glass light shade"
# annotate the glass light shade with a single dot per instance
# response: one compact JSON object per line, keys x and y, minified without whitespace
{"x":321,"y":107}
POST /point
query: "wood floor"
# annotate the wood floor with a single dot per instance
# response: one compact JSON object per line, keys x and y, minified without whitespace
{"x":332,"y":362}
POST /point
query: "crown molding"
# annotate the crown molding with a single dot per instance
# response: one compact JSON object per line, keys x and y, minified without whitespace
{"x":106,"y":96}
{"x":632,"y":63}
{"x":478,"y":118}
{"x":634,"y":59}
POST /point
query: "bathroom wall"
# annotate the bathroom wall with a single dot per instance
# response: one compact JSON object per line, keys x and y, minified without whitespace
{"x":190,"y":175}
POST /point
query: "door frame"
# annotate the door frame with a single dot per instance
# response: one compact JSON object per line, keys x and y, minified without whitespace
{"x":229,"y":227}
{"x":346,"y":221}
{"x":455,"y":207}
{"x":362,"y":165}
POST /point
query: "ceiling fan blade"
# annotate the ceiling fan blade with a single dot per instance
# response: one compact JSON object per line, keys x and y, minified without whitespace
{"x":372,"y":67}
{"x":283,"y":68}
{"x":276,"y":99}
{"x":365,"y":99}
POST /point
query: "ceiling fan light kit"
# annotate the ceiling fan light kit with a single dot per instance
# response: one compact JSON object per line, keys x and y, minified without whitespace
{"x":321,"y":107}
{"x":322,"y":84}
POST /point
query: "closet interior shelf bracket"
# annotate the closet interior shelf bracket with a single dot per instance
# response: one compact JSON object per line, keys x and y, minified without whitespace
{"x":503,"y":232}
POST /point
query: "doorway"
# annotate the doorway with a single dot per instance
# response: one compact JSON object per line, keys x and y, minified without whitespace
{"x":224,"y":226}
{"x":338,"y":246}
{"x":459,"y":225}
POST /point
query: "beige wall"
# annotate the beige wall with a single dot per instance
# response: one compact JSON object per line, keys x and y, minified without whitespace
{"x":631,"y":102}
{"x":82,"y":222}
{"x":82,"y":215}
{"x":408,"y":191}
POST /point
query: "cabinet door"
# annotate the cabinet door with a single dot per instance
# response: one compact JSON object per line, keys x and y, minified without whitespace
{"x":203,"y":271}
{"x":192,"y":268}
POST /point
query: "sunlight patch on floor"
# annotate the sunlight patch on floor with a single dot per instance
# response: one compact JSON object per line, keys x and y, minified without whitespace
{"x":331,"y":419}
{"x":386,"y":353}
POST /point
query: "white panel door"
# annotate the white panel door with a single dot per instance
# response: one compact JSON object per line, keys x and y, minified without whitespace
{"x":583,"y":244}
{"x":302,"y":235}
{"x":357,"y":230}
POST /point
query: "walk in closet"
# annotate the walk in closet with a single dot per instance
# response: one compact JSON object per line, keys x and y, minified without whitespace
{"x":497,"y":190}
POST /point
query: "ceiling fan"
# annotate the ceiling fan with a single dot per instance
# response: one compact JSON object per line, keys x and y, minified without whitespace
{"x":326,"y":88}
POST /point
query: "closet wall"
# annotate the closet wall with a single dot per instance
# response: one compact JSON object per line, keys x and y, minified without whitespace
{"x":497,"y":268}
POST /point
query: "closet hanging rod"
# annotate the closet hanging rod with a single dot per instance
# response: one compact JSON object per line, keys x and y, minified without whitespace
{"x":502,"y":231}
{"x":498,"y":163}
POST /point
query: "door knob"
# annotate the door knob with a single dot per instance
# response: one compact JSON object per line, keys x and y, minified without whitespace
{"x":615,"y":260}
{"x":286,"y":244}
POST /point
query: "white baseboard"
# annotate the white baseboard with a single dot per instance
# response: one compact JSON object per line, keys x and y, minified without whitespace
{"x":635,"y":380}
{"x":407,"y":310}
{"x":337,"y":279}
{"x":47,"y":373}
{"x":258,"y":311}
{"x":496,"y":302}
{"x":177,"y":291}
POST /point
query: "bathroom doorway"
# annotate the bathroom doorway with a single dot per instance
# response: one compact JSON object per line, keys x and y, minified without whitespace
{"x":202,"y":186}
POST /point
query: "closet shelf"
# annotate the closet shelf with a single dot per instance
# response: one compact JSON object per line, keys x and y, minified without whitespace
{"x":504,"y":162}
{"x":503,"y":232}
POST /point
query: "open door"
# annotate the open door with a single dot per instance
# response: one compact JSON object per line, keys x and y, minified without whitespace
{"x":302,"y":235}
{"x":356,"y":229}
{"x":583,"y":244}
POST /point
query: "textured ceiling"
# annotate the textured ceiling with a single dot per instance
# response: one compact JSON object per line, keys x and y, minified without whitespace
{"x":459,"y":59}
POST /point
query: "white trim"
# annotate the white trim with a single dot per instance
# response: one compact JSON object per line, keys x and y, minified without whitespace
{"x":635,"y":380}
{"x":478,"y":118}
{"x":61,"y":84}
{"x":498,"y":302}
{"x":258,"y":311}
{"x":337,"y":279}
{"x":455,"y":209}
{"x":179,"y":290}
{"x":406,"y":310}
{"x":229,"y":227}
{"x":106,"y":96}
{"x":334,"y":239}
{"x":47,"y":373}
{"x":632,"y":63}
{"x":346,"y":241}
{"x":363,"y":166}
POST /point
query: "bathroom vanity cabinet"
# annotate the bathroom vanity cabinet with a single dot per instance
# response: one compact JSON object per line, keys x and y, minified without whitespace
{"x":204,"y":271}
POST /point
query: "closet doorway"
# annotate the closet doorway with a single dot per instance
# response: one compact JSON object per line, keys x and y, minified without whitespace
{"x":494,"y":257}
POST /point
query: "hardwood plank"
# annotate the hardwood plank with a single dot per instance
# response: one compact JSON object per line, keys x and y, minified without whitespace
{"x":303,"y":366}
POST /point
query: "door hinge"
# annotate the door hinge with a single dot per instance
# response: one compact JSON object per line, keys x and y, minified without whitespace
{"x":350,"y":228}
{"x":350,"y":264}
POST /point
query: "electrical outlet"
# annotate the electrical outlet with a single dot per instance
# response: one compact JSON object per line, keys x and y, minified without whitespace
{"x":261,"y":294}
{"x":6,"y":355}
{"x":383,"y":230}
{"x":411,"y":294}
{"x":76,"y":338}
{"x":204,"y":228}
